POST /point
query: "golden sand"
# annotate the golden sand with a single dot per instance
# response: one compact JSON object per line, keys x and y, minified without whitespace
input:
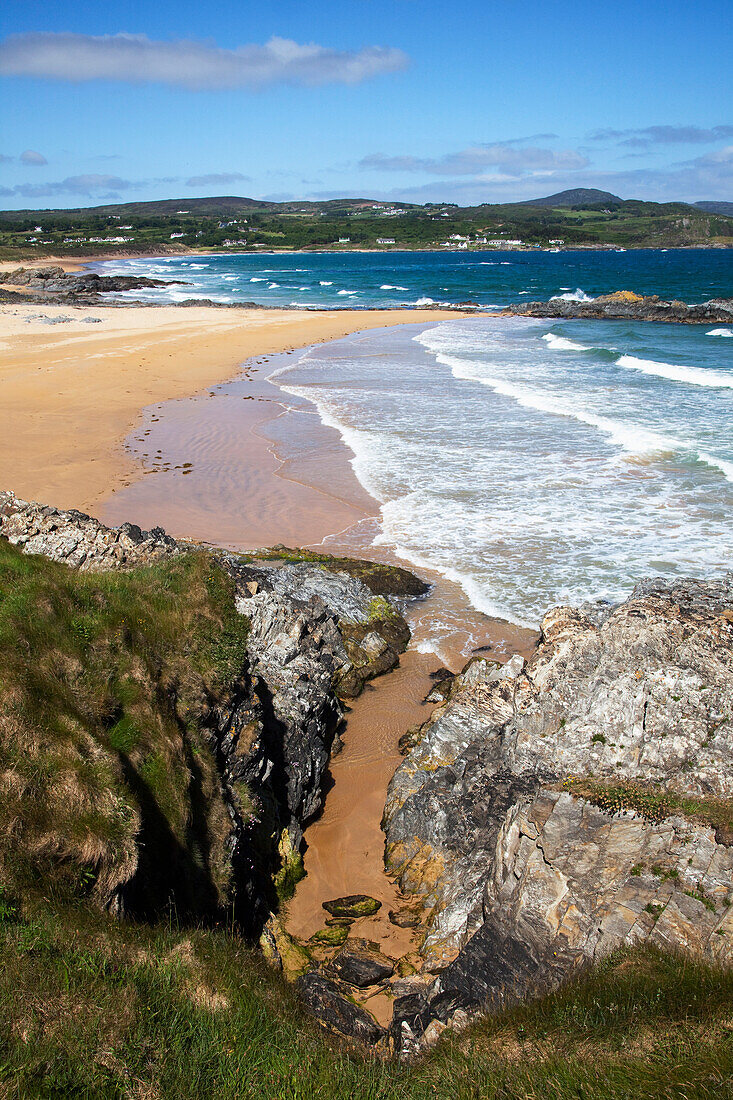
{"x":70,"y":393}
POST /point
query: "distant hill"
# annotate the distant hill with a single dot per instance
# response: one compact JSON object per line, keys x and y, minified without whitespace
{"x":214,"y":207}
{"x":578,"y":196}
{"x":716,"y":207}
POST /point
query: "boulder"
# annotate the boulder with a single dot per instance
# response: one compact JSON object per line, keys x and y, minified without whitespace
{"x":362,"y":964}
{"x":353,"y":906}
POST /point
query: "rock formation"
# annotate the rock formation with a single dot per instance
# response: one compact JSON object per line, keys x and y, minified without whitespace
{"x":53,"y":284}
{"x":315,"y":635}
{"x":625,"y":305}
{"x":555,"y":810}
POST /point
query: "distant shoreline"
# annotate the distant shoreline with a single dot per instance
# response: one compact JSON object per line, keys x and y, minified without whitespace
{"x":71,"y":262}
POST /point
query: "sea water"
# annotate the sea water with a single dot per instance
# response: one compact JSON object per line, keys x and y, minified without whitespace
{"x":357,"y":280}
{"x":537,"y":462}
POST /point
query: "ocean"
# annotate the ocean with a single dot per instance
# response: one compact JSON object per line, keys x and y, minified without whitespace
{"x":533,"y":462}
{"x":365,"y":280}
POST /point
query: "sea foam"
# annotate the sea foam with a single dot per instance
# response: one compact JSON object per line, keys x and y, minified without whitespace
{"x":693,"y":376}
{"x":573,"y":296}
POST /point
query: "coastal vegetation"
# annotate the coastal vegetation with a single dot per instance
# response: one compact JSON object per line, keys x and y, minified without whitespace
{"x":105,"y":683}
{"x":94,"y":1009}
{"x":248,"y":225}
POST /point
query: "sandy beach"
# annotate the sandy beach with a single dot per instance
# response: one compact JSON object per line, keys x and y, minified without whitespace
{"x":72,"y":391}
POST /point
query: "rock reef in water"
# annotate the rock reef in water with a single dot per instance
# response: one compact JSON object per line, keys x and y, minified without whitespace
{"x":555,"y":810}
{"x":625,"y":305}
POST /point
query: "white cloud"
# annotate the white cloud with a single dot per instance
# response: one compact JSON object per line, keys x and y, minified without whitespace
{"x":30,"y":156}
{"x":508,"y":161}
{"x":136,"y":59}
{"x":214,"y":178}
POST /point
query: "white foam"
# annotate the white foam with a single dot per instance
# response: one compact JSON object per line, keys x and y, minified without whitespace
{"x":325,"y":282}
{"x":350,"y":293}
{"x":271,"y":286}
{"x":630,"y":437}
{"x":257,"y":279}
{"x":389,"y":286}
{"x":560,"y":343}
{"x":574,"y":296}
{"x":694,"y":376}
{"x":425,"y":302}
{"x":720,"y":332}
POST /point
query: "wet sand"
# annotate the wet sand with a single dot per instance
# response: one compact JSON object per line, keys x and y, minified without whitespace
{"x":345,"y":853}
{"x":71,"y":392}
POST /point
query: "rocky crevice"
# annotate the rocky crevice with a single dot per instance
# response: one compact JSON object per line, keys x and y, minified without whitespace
{"x":315,"y":635}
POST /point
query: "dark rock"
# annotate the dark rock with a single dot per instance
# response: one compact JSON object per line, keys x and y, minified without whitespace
{"x":404,"y":918}
{"x":413,"y":1011}
{"x":361,"y":963}
{"x":55,"y":284}
{"x":353,"y":906}
{"x":325,"y":999}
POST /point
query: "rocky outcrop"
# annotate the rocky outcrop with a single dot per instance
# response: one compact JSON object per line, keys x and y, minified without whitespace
{"x":77,"y":539}
{"x":53,"y":284}
{"x":554,"y":810}
{"x":625,"y":305}
{"x":315,"y":634}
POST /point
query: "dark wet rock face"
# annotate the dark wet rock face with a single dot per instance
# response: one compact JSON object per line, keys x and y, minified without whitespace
{"x":627,"y":306}
{"x":328,"y":1002}
{"x":553,"y":811}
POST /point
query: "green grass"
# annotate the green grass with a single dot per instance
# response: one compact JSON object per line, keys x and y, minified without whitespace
{"x":105,"y":683}
{"x":96,"y":1009}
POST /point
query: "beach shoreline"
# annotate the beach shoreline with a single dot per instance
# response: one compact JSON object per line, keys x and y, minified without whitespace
{"x":74,"y":380}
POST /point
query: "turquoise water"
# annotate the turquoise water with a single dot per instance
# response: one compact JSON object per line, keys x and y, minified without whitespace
{"x":533,"y":462}
{"x":492,"y":279}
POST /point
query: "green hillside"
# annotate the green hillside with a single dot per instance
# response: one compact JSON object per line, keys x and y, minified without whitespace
{"x":571,"y":219}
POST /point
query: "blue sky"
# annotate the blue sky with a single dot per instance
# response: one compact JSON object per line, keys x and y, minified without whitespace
{"x":474,"y":101}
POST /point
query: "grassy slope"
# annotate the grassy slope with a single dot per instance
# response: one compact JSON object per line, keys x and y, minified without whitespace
{"x":92,"y":1008}
{"x":104,"y":681}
